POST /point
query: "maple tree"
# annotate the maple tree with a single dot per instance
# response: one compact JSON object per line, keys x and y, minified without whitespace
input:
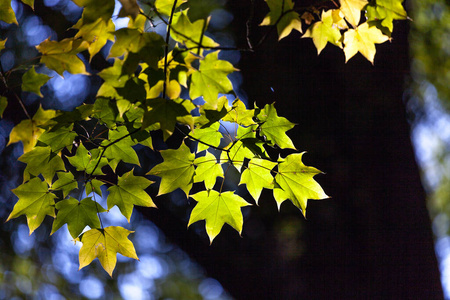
{"x":154,"y":85}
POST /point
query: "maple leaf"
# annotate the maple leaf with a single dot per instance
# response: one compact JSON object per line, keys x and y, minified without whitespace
{"x":119,"y":147}
{"x":35,"y":201}
{"x":129,"y":8}
{"x":86,"y":161}
{"x":324,"y":31}
{"x":208,"y":169}
{"x":7,"y":14}
{"x":62,"y":56}
{"x":96,"y":33}
{"x":66,"y":182}
{"x":274,"y":128}
{"x":28,"y":131}
{"x":167,"y":113}
{"x":32,"y":81}
{"x":104,"y":244}
{"x":129,"y":191}
{"x":94,"y":9}
{"x":352,"y":10}
{"x":217,"y":209}
{"x":165,"y":6}
{"x":41,"y":160}
{"x":282,"y":14}
{"x":191,"y":34}
{"x":211,"y":79}
{"x":240,"y":114}
{"x":296,"y":181}
{"x":209,"y":135}
{"x":258,"y":176}
{"x":77,"y":215}
{"x":58,"y":137}
{"x":94,"y":186}
{"x":387,"y":11}
{"x":363,"y":40}
{"x":176,"y":171}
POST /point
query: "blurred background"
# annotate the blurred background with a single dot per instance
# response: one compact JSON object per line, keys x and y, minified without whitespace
{"x":380,"y":133}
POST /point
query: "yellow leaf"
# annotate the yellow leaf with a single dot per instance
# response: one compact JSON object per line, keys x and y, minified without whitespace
{"x":363,"y":40}
{"x":352,"y":10}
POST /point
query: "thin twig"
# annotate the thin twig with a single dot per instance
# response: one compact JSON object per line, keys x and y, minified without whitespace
{"x":166,"y":48}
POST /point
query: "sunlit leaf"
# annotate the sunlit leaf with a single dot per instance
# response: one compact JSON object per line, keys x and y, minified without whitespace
{"x":66,"y":183}
{"x":176,"y":171}
{"x":35,"y":201}
{"x":119,"y":147}
{"x":94,"y":186}
{"x":2,"y":44}
{"x":208,"y":169}
{"x":41,"y":160}
{"x":32,"y":81}
{"x":7,"y":14}
{"x":217,"y":209}
{"x":104,"y":244}
{"x":94,"y":9}
{"x":240,"y":114}
{"x":165,"y":6}
{"x":88,"y":161}
{"x":58,"y":137}
{"x":352,"y":10}
{"x":96,"y":34}
{"x":258,"y":176}
{"x":282,"y":15}
{"x":274,"y":128}
{"x":77,"y":215}
{"x":209,"y":135}
{"x":129,"y":191}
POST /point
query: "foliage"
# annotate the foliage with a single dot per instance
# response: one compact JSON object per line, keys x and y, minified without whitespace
{"x":169,"y":83}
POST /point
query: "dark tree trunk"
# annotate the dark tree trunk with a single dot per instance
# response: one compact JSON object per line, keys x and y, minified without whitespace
{"x":372,"y":239}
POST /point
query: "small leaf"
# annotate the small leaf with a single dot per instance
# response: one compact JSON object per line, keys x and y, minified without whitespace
{"x":176,"y":171}
{"x":296,"y":181}
{"x":94,"y":186}
{"x":211,"y":79}
{"x":274,"y":127}
{"x":104,"y":245}
{"x":86,"y":161}
{"x":217,"y":209}
{"x":66,"y":182}
{"x":363,"y":40}
{"x":258,"y":176}
{"x":30,"y":3}
{"x":282,"y":14}
{"x":3,"y":105}
{"x":7,"y":14}
{"x":208,"y":169}
{"x":165,"y":6}
{"x":2,"y":44}
{"x":119,"y":147}
{"x":190,"y":34}
{"x":35,"y":201}
{"x":209,"y":135}
{"x":240,"y":114}
{"x":129,"y":191}
{"x":77,"y":215}
{"x":32,"y":81}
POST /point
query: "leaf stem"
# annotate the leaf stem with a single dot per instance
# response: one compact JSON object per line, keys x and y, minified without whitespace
{"x":166,"y":48}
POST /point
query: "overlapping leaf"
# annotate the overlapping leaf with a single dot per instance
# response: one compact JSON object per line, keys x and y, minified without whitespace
{"x":77,"y":215}
{"x":352,"y":10}
{"x":41,"y":160}
{"x":32,"y":81}
{"x":119,"y":147}
{"x":66,"y":183}
{"x":208,"y":169}
{"x":324,"y":31}
{"x":258,"y":176}
{"x":283,"y":16}
{"x":104,"y":244}
{"x":191,"y":34}
{"x":176,"y":171}
{"x":208,"y":136}
{"x":89,"y":162}
{"x":274,"y":128}
{"x":129,"y":191}
{"x":217,"y":209}
{"x":35,"y":201}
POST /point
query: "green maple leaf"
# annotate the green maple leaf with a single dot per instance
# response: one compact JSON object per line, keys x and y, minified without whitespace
{"x":129,"y":191}
{"x":352,"y":10}
{"x":94,"y":9}
{"x":211,"y":79}
{"x":240,"y":114}
{"x":86,"y":161}
{"x":209,"y":135}
{"x":176,"y":171}
{"x":282,"y":14}
{"x":258,"y":176}
{"x":324,"y":31}
{"x":119,"y":147}
{"x":217,"y":209}
{"x":41,"y":160}
{"x":274,"y":128}
{"x":77,"y":215}
{"x":167,"y":113}
{"x":3,"y":105}
{"x":363,"y":40}
{"x":165,"y":6}
{"x":32,"y":81}
{"x":35,"y":201}
{"x":28,"y":131}
{"x":7,"y":14}
{"x":96,"y":33}
{"x":66,"y":183}
{"x":58,"y":137}
{"x":210,"y":115}
{"x":94,"y":186}
{"x":104,"y":244}
{"x":106,"y":112}
{"x":190,"y":34}
{"x":387,"y":11}
{"x":208,"y":169}
{"x":236,"y":154}
{"x":62,"y":56}
{"x":296,"y":181}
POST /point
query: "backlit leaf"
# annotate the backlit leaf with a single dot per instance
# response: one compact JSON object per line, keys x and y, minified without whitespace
{"x":129,"y":191}
{"x":94,"y":186}
{"x":165,"y":6}
{"x":119,"y":147}
{"x":41,"y":160}
{"x":86,"y":161}
{"x":209,"y":135}
{"x":66,"y":183}
{"x":7,"y":14}
{"x":258,"y":176}
{"x":191,"y":34}
{"x":77,"y":215}
{"x":208,"y":169}
{"x":58,"y":137}
{"x":176,"y":171}
{"x":104,"y":244}
{"x":2,"y":44}
{"x":217,"y":209}
{"x":282,"y":14}
{"x":35,"y":201}
{"x":240,"y":114}
{"x":32,"y":81}
{"x":352,"y":10}
{"x":274,"y":128}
